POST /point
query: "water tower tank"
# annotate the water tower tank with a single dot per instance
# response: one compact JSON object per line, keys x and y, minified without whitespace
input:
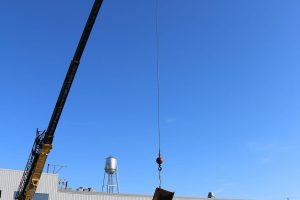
{"x":110,"y":165}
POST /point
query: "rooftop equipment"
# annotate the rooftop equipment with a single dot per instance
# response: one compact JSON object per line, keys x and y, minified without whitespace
{"x":161,"y":194}
{"x":211,"y":195}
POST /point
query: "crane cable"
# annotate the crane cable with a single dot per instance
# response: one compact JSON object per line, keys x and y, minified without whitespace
{"x":159,"y":159}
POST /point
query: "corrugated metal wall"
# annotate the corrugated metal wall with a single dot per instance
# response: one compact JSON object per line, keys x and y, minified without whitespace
{"x":9,"y":182}
{"x":103,"y":196}
{"x":10,"y":179}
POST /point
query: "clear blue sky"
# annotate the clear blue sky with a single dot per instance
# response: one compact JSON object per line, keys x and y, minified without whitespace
{"x":230,"y":93}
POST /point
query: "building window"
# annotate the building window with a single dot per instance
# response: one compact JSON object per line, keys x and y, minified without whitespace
{"x":41,"y":196}
{"x":38,"y":196}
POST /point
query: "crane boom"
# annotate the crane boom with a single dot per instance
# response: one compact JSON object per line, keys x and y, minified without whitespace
{"x":43,"y":142}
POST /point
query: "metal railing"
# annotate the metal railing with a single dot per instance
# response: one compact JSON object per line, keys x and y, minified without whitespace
{"x":35,"y":151}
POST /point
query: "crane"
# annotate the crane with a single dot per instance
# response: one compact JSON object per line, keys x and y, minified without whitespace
{"x":43,"y":142}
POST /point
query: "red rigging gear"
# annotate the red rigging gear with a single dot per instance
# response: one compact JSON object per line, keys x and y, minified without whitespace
{"x":159,"y":160}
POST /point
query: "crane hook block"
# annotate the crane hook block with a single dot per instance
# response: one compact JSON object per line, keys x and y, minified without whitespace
{"x":159,"y":160}
{"x":161,"y":194}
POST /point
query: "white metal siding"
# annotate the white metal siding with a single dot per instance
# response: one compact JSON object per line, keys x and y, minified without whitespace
{"x":103,"y":196}
{"x":74,"y":195}
{"x":10,"y":179}
{"x":8,"y":184}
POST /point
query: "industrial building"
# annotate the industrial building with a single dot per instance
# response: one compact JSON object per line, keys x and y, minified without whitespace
{"x":48,"y":189}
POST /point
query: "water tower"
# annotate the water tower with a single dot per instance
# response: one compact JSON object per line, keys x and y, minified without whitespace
{"x":110,"y":179}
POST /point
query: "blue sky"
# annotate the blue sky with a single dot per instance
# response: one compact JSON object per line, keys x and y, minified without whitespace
{"x":230,"y":93}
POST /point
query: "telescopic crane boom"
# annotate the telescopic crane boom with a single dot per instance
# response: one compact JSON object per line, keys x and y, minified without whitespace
{"x":43,"y":142}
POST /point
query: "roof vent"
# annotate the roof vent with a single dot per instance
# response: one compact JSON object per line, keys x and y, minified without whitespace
{"x":211,"y":195}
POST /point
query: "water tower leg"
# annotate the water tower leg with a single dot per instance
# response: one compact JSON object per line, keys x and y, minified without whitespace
{"x":103,"y":182}
{"x":117,"y":183}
